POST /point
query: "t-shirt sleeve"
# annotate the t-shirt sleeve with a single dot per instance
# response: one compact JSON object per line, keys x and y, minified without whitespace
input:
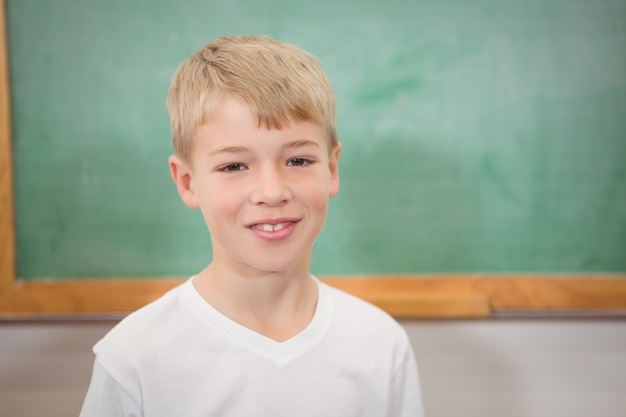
{"x":106,"y":397}
{"x":405,"y":392}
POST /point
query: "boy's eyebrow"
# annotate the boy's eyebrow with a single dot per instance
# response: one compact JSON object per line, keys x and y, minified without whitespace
{"x":229,"y":149}
{"x":300,"y":143}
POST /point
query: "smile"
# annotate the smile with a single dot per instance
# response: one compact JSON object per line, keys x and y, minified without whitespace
{"x":270,"y":227}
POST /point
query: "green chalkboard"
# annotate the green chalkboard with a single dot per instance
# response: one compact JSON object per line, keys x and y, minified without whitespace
{"x":479,"y":136}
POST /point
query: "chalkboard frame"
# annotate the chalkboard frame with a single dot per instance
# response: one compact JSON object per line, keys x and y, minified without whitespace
{"x":403,"y":296}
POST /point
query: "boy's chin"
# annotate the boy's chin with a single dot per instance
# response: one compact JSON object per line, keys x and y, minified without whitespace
{"x":276,"y":265}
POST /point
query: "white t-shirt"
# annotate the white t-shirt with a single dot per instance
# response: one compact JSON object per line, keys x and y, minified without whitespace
{"x":179,"y":357}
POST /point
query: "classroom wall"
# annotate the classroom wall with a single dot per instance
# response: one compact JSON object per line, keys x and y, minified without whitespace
{"x":500,"y":368}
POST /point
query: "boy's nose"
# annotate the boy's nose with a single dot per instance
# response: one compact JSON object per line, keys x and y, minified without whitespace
{"x":271,"y":188}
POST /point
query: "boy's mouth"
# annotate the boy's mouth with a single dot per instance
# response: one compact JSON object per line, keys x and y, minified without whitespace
{"x":270,"y":227}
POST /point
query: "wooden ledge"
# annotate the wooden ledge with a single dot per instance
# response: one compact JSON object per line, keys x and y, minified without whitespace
{"x":415,"y":296}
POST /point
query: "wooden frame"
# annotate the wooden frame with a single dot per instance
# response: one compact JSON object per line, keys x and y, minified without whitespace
{"x":423,"y":296}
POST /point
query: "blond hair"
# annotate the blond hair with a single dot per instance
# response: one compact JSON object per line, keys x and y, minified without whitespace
{"x":279,"y":82}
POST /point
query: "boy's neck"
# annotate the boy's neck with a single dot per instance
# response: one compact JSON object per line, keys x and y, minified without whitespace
{"x":276,"y":305}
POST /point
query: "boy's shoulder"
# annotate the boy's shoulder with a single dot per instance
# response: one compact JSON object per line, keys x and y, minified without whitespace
{"x":365,"y":333}
{"x":357,"y":314}
{"x":155,"y":312}
{"x":148,"y":325}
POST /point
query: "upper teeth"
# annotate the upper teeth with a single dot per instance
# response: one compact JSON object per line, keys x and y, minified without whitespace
{"x":271,"y":228}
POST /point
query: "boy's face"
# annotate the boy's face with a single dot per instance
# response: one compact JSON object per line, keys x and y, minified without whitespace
{"x":263,"y":193}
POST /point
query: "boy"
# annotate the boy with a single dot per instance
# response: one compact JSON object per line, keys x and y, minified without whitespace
{"x":254,"y":334}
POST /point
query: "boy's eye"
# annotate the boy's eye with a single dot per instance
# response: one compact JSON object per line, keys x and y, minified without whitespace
{"x":299,"y":162}
{"x":233,"y":167}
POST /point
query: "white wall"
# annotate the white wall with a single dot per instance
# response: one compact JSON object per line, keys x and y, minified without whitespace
{"x":514,"y":368}
{"x":499,"y":368}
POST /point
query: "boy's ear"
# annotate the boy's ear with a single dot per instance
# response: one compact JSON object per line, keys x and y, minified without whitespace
{"x":333,"y":166}
{"x":181,"y":174}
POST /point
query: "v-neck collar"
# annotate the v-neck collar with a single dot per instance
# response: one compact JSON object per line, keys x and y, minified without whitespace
{"x":281,"y":353}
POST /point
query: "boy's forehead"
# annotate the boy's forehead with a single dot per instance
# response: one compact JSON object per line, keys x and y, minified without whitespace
{"x":299,"y":134}
{"x":301,"y":128}
{"x":235,"y":110}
